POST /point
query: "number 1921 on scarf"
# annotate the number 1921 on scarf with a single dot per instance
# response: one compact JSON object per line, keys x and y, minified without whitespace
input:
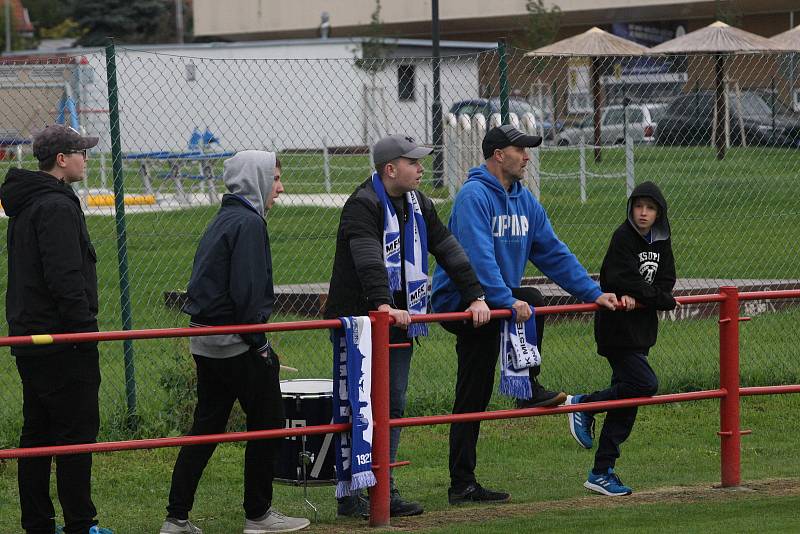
{"x":363,"y":459}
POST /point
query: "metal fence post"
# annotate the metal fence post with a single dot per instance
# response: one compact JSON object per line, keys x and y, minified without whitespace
{"x":730,"y":432}
{"x":326,"y":164}
{"x":379,"y":494}
{"x":501,"y":52}
{"x":630,"y":177}
{"x":122,"y":240}
{"x":582,"y":176}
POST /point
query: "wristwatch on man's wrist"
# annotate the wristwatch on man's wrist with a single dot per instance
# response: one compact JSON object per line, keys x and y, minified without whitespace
{"x":482,"y":298}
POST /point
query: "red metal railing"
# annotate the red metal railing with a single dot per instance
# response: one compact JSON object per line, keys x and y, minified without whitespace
{"x":729,"y":391}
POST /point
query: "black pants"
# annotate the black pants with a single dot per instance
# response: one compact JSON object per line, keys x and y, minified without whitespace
{"x":478,"y":350}
{"x":60,"y":407}
{"x":631,"y":377}
{"x":254,"y":382}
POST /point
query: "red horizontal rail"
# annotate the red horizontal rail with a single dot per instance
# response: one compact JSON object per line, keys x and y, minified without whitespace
{"x":769,"y":390}
{"x":155,"y":333}
{"x":533,"y":412}
{"x":158,"y":443}
{"x":769,"y":295}
{"x":116,"y":335}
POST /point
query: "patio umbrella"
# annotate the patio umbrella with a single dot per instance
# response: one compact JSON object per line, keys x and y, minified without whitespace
{"x":594,"y":44}
{"x":720,"y":40}
{"x":788,"y":40}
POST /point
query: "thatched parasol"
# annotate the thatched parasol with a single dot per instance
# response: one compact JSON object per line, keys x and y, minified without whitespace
{"x":788,"y":40}
{"x":720,"y":40}
{"x":595,"y":44}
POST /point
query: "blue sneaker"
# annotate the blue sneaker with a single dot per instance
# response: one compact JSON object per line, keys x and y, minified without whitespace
{"x":93,"y":530}
{"x":581,"y":424}
{"x":607,"y":484}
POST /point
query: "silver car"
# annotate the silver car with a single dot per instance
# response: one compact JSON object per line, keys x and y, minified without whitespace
{"x":642,"y":123}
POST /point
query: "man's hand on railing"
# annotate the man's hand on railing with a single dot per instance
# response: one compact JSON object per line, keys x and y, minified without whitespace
{"x":522,"y":309}
{"x":401,"y":317}
{"x":607,"y":300}
{"x":481,"y":314}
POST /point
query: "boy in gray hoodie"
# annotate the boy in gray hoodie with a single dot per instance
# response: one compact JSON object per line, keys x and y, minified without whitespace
{"x":231,"y":283}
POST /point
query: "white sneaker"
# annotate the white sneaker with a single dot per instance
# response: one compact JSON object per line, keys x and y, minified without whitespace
{"x":274,"y":522}
{"x":176,"y":526}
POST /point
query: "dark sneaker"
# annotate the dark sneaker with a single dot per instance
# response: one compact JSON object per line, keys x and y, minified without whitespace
{"x":353,"y":506}
{"x":542,"y":397}
{"x":400,"y":508}
{"x":476,"y":493}
{"x":607,"y":484}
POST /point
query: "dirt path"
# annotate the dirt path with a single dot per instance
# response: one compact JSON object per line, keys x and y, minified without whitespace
{"x":478,"y":514}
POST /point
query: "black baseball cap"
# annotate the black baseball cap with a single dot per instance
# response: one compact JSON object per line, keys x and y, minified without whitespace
{"x":59,"y":139}
{"x":500,"y":137}
{"x":398,"y":146}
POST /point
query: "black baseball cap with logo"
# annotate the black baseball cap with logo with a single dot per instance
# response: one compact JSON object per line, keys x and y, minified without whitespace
{"x":500,"y":137}
{"x":59,"y":139}
{"x":398,"y":146}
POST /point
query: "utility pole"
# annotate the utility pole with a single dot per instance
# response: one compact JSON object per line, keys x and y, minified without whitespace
{"x":436,"y":107}
{"x":8,"y":25}
{"x":179,"y":20}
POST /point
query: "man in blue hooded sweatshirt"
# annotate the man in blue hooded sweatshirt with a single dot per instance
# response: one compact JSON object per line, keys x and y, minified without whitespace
{"x":501,"y":227}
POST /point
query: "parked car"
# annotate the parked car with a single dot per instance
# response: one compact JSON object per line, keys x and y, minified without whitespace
{"x":518,"y":106}
{"x":642,"y":123}
{"x":689,"y":120}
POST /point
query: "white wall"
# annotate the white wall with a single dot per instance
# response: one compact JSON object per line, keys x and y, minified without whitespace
{"x":251,"y":99}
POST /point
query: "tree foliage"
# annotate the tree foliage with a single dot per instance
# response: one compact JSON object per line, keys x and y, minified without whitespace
{"x":126,"y":21}
{"x":543,"y":25}
{"x":47,"y":14}
{"x":374,"y":50}
{"x":729,"y":12}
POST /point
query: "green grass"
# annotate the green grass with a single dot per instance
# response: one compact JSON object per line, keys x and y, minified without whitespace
{"x":734,"y":219}
{"x":536,"y":460}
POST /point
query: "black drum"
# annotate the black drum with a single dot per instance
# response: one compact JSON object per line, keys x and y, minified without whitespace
{"x":307,"y":402}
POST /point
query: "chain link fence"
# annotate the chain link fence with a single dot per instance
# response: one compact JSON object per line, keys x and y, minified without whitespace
{"x":725,"y":151}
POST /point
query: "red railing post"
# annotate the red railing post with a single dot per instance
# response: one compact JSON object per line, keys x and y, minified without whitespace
{"x":379,"y":494}
{"x":730,"y":432}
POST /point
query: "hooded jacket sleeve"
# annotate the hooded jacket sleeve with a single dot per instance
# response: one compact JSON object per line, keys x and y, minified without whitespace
{"x":473,"y":218}
{"x":551,"y":256}
{"x":361,"y":229}
{"x":58,"y":236}
{"x":449,"y":254}
{"x":623,"y":277}
{"x":250,"y":283}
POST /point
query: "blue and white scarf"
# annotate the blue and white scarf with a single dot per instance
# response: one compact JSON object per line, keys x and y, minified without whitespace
{"x":352,"y":384}
{"x":519,"y":353}
{"x":415,"y":246}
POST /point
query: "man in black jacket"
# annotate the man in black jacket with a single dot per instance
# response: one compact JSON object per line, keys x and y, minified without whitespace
{"x":231,"y":283}
{"x":52,"y":288}
{"x":361,"y":279}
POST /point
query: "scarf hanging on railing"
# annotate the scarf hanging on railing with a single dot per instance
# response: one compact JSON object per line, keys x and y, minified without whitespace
{"x":415,"y":247}
{"x":518,"y":353}
{"x":352,"y":385}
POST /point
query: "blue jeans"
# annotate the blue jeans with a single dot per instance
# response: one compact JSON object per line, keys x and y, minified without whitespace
{"x":399,"y":367}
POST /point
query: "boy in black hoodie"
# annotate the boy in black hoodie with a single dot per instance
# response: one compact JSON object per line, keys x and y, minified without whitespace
{"x":639,"y":268}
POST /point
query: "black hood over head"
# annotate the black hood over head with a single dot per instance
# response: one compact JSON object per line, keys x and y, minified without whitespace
{"x":22,"y":187}
{"x":660,"y":230}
